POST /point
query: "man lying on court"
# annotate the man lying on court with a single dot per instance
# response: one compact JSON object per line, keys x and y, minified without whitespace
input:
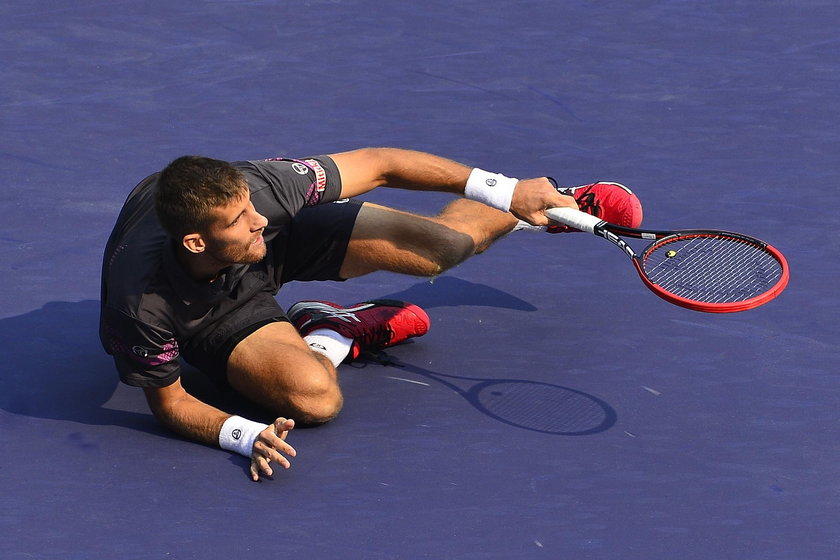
{"x":200,"y":250}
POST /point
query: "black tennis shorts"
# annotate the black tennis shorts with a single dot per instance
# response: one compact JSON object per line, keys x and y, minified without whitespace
{"x":315,"y":249}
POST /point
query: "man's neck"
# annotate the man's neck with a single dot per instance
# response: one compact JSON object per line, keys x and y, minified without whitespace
{"x":200,"y":267}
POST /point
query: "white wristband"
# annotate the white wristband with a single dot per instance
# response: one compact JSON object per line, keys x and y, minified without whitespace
{"x":239,"y":434}
{"x":493,"y":189}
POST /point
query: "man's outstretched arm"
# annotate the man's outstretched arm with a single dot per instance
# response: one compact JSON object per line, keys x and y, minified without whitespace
{"x":368,"y":168}
{"x":189,"y":417}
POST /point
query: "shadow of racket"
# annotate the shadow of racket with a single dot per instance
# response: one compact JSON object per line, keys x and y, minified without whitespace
{"x":530,"y":405}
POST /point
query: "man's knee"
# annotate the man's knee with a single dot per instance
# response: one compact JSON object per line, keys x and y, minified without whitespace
{"x":277,"y":370}
{"x":310,"y":399}
{"x":449,"y":248}
{"x":385,"y":239}
{"x":312,"y":402}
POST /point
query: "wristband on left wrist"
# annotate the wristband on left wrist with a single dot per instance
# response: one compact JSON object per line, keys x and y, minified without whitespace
{"x":239,"y":434}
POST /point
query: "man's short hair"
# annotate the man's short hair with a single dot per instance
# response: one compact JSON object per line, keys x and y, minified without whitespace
{"x":190,"y":187}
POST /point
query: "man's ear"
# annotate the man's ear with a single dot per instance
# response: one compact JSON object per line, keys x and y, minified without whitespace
{"x":194,"y":243}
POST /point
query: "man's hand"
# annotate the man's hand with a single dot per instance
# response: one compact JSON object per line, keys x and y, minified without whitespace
{"x":269,"y":446}
{"x":532,"y":197}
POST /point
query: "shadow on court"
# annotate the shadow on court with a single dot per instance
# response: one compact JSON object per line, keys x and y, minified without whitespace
{"x":526,"y":404}
{"x":448,"y":291}
{"x":55,"y":368}
{"x":530,"y":405}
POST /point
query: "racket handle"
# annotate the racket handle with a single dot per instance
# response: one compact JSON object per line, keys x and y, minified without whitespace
{"x":574,"y":218}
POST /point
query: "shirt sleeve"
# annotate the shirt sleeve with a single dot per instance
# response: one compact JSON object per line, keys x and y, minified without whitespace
{"x":145,"y":356}
{"x":280,"y":187}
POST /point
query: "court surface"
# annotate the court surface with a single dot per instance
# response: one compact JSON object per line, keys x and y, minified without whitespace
{"x":556,"y":409}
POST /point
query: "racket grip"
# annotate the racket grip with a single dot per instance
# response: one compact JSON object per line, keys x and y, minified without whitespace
{"x":574,"y":218}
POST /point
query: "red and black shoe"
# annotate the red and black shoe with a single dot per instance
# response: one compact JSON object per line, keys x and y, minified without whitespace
{"x":612,"y":202}
{"x":373,"y":325}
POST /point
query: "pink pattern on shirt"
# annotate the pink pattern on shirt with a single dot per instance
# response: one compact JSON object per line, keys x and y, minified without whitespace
{"x":144,"y":355}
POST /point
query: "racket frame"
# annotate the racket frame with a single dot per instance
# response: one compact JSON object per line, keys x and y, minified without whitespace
{"x":612,"y":232}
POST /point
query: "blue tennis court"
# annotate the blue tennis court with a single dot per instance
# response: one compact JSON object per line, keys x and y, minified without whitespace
{"x":556,"y":409}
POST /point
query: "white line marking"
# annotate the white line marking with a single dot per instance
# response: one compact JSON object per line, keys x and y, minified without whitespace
{"x":407,"y":380}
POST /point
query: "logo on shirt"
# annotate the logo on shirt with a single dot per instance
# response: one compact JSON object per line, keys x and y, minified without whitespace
{"x":300,"y":168}
{"x":140,"y":351}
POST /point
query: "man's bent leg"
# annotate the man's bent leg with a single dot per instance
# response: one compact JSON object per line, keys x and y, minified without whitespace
{"x":275,"y":368}
{"x":388,"y":239}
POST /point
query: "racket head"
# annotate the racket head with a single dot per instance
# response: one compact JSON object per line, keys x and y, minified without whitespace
{"x":713,"y":271}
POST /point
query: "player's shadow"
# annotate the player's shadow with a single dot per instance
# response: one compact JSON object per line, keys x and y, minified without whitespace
{"x":449,"y":291}
{"x":53,"y":367}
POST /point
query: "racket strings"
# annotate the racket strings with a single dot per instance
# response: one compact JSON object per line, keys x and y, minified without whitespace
{"x":712,"y":269}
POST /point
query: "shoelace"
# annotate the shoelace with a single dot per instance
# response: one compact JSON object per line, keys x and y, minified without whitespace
{"x":586,"y":202}
{"x":375,"y":357}
{"x":378,"y":335}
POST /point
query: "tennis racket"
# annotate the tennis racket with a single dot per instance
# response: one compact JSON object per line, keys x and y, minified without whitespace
{"x":704,"y":270}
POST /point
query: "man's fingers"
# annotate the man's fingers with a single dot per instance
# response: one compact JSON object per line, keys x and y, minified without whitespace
{"x":275,"y":449}
{"x":565,"y":201}
{"x":260,"y":465}
{"x":270,"y":446}
{"x":264,"y":466}
{"x":282,"y":426}
{"x":271,"y":441}
{"x":271,"y":454}
{"x":533,"y":196}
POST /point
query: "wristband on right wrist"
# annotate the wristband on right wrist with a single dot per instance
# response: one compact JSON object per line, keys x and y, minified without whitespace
{"x":492,"y":189}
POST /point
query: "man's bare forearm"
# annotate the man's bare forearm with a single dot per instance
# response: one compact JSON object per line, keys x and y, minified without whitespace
{"x":365,"y":169}
{"x":185,"y":415}
{"x":368,"y":168}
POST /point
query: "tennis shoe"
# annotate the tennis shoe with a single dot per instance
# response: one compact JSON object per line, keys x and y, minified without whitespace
{"x":611,"y":202}
{"x":373,"y":325}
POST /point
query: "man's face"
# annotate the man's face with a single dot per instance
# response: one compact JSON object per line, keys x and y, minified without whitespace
{"x":235,"y":237}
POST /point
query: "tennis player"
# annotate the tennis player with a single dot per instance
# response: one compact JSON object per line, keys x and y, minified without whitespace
{"x":200,"y":250}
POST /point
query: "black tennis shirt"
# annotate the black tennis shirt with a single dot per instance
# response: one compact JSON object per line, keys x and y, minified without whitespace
{"x":150,"y":306}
